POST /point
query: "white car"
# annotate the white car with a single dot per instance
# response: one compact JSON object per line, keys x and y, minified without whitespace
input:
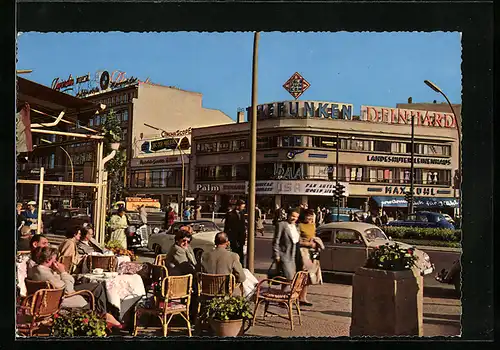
{"x":449,"y":218}
{"x":347,"y":245}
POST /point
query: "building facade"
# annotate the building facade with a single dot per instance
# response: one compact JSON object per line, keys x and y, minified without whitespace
{"x":297,"y":155}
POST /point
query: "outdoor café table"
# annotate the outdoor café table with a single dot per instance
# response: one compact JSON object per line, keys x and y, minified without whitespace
{"x":22,"y":271}
{"x":120,"y":258}
{"x":123,"y":291}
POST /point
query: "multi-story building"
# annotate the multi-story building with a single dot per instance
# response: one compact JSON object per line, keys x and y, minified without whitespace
{"x":297,"y":151}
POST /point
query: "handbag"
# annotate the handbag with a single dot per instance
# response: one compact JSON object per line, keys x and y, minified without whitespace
{"x":274,"y":270}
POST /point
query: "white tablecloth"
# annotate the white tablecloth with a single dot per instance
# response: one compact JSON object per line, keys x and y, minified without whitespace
{"x":122,"y":259}
{"x":22,"y":271}
{"x":121,"y":287}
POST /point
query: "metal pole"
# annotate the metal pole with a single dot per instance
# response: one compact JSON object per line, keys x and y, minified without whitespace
{"x":182,"y":181}
{"x":72,"y":175}
{"x":103,"y":206}
{"x":40,"y":202}
{"x":97,"y":223}
{"x":337,"y":175}
{"x":253,"y":157}
{"x":412,"y":169}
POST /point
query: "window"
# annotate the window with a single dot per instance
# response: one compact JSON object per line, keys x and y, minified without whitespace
{"x":125,"y":115}
{"x":125,"y":98}
{"x":98,"y":120}
{"x":155,"y":178}
{"x":292,"y":141}
{"x":325,"y":235}
{"x":52,"y":161}
{"x":224,"y":172}
{"x":382,"y":146}
{"x":91,"y":122}
{"x":241,"y":171}
{"x":267,"y":142}
{"x":265,"y":171}
{"x":224,"y":146}
{"x":351,"y":237}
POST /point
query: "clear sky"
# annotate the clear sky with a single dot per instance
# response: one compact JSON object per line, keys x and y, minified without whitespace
{"x":376,"y":69}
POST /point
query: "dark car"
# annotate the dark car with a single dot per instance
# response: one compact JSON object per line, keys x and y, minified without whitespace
{"x":424,"y":219}
{"x":65,"y":219}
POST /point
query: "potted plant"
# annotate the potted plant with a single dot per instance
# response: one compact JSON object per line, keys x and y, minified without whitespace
{"x":226,"y":315}
{"x":78,"y":324}
{"x":116,"y":248}
{"x":387,"y":294}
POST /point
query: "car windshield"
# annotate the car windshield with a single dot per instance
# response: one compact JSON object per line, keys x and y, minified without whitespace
{"x":435,"y":217}
{"x":373,"y":234}
{"x":134,"y":216}
{"x":197,"y":226}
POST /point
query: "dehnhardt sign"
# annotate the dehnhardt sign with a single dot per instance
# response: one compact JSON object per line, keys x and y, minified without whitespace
{"x":301,"y":188}
{"x":417,"y":160}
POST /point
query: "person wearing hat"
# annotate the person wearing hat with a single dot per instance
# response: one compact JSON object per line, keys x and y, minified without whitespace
{"x":235,"y":227}
{"x":118,"y":223}
{"x":23,"y":243}
{"x":31,"y":215}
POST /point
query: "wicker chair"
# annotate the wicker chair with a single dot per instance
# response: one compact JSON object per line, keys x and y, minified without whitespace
{"x":107,"y":263}
{"x":34,"y":286}
{"x":160,"y":259}
{"x":176,"y":295}
{"x":67,"y":261}
{"x":158,"y":274}
{"x":278,"y":296}
{"x":37,"y":310}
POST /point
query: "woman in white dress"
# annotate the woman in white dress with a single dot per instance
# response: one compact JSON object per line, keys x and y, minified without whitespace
{"x":118,"y":224}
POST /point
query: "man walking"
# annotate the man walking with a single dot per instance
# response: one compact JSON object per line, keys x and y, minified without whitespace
{"x":234,"y":225}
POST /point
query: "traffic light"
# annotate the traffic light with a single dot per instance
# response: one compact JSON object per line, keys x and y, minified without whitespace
{"x":336,"y":196}
{"x":341,"y":190}
{"x":409,"y":196}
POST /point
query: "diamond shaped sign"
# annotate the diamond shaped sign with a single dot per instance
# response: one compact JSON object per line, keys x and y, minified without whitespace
{"x":296,"y":85}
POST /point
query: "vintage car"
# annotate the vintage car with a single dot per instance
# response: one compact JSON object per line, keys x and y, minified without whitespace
{"x":65,"y":219}
{"x":424,"y":219}
{"x":204,"y":232}
{"x":347,"y":245}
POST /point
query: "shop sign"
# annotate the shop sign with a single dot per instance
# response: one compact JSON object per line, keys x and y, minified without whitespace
{"x":303,"y":109}
{"x":296,"y":85}
{"x":154,"y":161}
{"x":207,"y":188}
{"x":291,"y":154}
{"x":421,"y":203}
{"x":416,"y":160}
{"x":304,"y":188}
{"x":288,"y":173}
{"x":401,"y":190}
{"x":177,"y":133}
{"x":404,"y":116}
{"x":165,"y":144}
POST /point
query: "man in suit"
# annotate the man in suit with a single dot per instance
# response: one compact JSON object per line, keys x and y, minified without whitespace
{"x":285,"y":242}
{"x":222,"y":261}
{"x":235,"y":228}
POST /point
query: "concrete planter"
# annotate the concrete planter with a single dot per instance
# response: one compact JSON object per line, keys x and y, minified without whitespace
{"x":387,"y":303}
{"x":230,"y":328}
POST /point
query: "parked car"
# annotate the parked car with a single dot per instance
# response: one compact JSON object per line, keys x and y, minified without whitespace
{"x":204,"y":232}
{"x":137,"y":234}
{"x":343,"y":214}
{"x":449,"y":219}
{"x":65,"y":219}
{"x":425,"y":219}
{"x":348,"y":244}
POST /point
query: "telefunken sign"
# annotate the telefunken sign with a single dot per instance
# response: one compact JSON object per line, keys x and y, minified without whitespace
{"x":403,"y":116}
{"x":303,"y":109}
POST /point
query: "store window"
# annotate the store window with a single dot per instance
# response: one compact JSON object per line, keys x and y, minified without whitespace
{"x":383,"y":146}
{"x":292,"y":141}
{"x":205,"y":173}
{"x":241,"y":171}
{"x":267,"y":142}
{"x":325,"y":142}
{"x":265,"y":171}
{"x":224,"y":172}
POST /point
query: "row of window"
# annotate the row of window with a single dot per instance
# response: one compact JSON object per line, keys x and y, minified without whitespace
{"x":156,"y":178}
{"x":266,"y":142}
{"x":121,"y":115}
{"x":298,"y":171}
{"x":119,"y":99}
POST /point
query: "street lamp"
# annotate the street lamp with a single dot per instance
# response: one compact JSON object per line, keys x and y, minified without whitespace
{"x":72,"y":171}
{"x":164,"y":134}
{"x":438,"y":90}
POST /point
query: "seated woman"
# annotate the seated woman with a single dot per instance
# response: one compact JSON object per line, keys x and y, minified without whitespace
{"x":68,"y":247}
{"x":180,"y":259}
{"x":87,"y":244}
{"x":49,"y":270}
{"x":23,"y":243}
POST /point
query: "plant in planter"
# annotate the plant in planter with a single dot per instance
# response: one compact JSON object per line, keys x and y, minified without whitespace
{"x":116,"y":248}
{"x":78,"y":324}
{"x":387,"y":294}
{"x":226,"y":315}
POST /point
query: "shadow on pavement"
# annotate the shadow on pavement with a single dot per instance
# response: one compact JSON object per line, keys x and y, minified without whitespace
{"x":436,"y":292}
{"x":443,"y":316}
{"x":337,"y":313}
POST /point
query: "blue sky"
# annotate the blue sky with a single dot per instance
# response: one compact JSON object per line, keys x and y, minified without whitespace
{"x":378,"y":69}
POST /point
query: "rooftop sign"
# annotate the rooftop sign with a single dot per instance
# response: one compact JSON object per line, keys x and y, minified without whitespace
{"x":303,"y":109}
{"x":296,"y":85}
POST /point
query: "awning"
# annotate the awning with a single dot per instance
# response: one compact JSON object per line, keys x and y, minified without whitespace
{"x":419,"y":202}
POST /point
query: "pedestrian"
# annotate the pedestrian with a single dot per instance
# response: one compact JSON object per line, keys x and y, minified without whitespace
{"x":118,"y":223}
{"x":302,"y":211}
{"x":186,"y":214}
{"x":384,"y":219}
{"x":21,"y":219}
{"x":259,"y":226}
{"x":235,"y":228}
{"x":31,"y":215}
{"x":143,"y":214}
{"x":319,"y":216}
{"x":197,"y":213}
{"x":277,"y":214}
{"x":169,"y":217}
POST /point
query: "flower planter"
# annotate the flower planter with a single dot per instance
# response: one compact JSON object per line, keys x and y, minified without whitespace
{"x":387,"y":303}
{"x":229,"y":328}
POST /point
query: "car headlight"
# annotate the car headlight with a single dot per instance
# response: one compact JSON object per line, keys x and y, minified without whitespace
{"x":156,"y":230}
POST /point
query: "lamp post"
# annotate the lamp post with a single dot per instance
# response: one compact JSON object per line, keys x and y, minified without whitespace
{"x":412,"y":166}
{"x":253,"y":157}
{"x":183,"y":170}
{"x":459,"y":134}
{"x":337,"y":174}
{"x":72,"y":171}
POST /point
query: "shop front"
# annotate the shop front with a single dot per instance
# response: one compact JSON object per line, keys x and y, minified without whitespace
{"x":218,"y":196}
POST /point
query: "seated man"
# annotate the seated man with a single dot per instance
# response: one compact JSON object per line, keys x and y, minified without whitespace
{"x":49,"y":270}
{"x":222,"y":261}
{"x":35,"y":242}
{"x":23,"y":243}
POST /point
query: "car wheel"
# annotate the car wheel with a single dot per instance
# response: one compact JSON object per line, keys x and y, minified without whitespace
{"x":157,"y":249}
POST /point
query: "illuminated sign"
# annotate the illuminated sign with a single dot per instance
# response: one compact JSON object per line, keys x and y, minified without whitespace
{"x":303,"y":109}
{"x":166,"y":144}
{"x":296,"y":85}
{"x":403,"y":116}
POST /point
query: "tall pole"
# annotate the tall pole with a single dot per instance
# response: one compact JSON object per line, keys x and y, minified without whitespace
{"x":253,"y":157}
{"x":182,"y":182}
{"x":337,"y":175}
{"x":72,"y":175}
{"x":40,"y":202}
{"x":412,"y":168}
